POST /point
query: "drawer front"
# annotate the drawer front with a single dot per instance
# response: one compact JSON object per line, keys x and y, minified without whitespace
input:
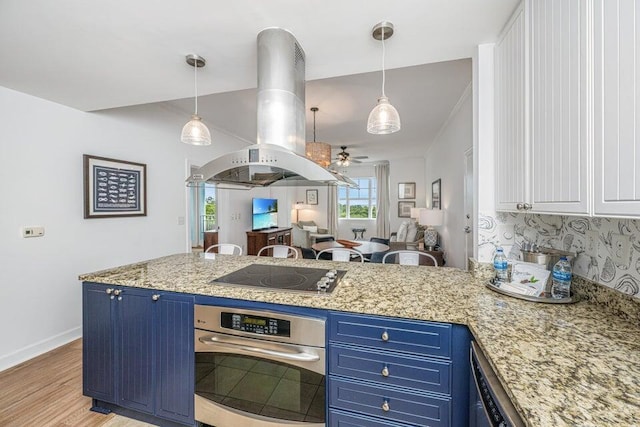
{"x":403,"y":406}
{"x":402,"y":335}
{"x":346,"y":419}
{"x":401,"y":369}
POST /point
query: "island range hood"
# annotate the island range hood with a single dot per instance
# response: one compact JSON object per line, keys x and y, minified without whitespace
{"x":278,"y":157}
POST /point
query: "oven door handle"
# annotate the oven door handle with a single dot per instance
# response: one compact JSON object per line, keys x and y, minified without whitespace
{"x":298,"y":357}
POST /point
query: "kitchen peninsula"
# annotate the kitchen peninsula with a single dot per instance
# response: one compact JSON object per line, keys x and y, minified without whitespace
{"x":561,"y":365}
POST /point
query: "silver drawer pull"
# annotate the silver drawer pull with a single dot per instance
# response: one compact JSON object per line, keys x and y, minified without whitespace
{"x":385,"y":372}
{"x":385,"y":406}
{"x":385,"y":336}
{"x":155,"y":297}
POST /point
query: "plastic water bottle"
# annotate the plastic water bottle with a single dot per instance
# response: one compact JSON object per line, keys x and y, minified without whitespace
{"x":500,"y":266}
{"x":561,"y":287}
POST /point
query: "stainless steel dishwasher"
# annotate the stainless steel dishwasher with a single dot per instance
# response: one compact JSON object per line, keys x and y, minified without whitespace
{"x":490,"y":405}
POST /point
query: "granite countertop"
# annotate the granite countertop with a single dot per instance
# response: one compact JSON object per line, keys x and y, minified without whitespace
{"x":562,"y":365}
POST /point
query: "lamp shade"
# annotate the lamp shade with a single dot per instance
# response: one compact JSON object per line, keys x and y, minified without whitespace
{"x":431,"y":217}
{"x":415,"y":212}
{"x":384,"y":118}
{"x":319,"y":152}
{"x":195,"y":132}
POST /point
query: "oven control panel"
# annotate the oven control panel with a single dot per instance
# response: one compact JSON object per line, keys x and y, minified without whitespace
{"x":255,"y":324}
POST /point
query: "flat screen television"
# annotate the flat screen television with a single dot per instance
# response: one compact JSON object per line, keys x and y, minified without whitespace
{"x":265,"y":214}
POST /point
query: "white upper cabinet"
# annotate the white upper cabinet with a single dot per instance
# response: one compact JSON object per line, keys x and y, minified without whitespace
{"x":616,"y":112}
{"x":560,"y":116}
{"x":542,"y":109}
{"x":512,"y":159}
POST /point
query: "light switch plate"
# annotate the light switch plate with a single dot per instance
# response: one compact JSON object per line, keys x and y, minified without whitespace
{"x":32,"y":231}
{"x":592,"y":244}
{"x":621,"y":250}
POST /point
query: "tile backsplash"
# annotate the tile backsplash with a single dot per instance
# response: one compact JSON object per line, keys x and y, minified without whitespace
{"x":608,"y":248}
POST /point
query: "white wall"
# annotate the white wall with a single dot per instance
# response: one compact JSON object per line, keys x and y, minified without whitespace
{"x":41,"y":150}
{"x":445,"y":160}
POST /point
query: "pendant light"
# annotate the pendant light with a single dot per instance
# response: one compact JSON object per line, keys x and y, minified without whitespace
{"x":319,"y":152}
{"x":195,"y":132}
{"x":384,"y":118}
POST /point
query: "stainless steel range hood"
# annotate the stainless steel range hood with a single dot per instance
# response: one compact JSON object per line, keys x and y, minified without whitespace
{"x":278,"y":157}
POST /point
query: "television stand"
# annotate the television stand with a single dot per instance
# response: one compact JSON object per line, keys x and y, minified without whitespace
{"x":258,"y":239}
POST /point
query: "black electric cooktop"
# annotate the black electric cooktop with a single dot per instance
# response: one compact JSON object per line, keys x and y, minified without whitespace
{"x":280,"y":277}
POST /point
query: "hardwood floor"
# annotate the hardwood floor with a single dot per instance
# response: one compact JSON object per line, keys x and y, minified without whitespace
{"x":47,"y":391}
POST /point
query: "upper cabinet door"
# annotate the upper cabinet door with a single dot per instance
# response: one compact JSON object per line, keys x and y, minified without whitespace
{"x":560,"y":100}
{"x":511,"y":152}
{"x":617,"y":113}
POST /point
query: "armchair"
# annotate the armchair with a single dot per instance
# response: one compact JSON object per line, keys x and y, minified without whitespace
{"x":410,"y":233}
{"x":304,"y":233}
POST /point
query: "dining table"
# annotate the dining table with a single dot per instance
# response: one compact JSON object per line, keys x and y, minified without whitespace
{"x":362,"y":246}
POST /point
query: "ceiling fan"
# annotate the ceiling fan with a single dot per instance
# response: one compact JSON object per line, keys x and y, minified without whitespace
{"x":344,"y":159}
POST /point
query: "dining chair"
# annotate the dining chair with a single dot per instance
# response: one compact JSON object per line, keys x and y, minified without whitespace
{"x":225,"y":249}
{"x":341,"y":254}
{"x":280,"y":251}
{"x":408,"y":257}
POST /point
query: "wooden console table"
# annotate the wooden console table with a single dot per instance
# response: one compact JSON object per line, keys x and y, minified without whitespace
{"x":256,"y":240}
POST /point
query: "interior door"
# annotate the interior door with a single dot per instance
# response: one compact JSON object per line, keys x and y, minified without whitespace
{"x":468,"y":206}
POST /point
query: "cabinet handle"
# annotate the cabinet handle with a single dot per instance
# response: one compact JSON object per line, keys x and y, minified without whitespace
{"x":527,"y":206}
{"x":385,"y":336}
{"x":385,"y":406}
{"x":117,"y":292}
{"x":520,"y":206}
{"x":385,"y":371}
{"x":109,"y":291}
{"x":155,"y":297}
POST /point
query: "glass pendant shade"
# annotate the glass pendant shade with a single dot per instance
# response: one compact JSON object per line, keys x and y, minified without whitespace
{"x":195,"y":132}
{"x":384,"y":118}
{"x":319,"y":152}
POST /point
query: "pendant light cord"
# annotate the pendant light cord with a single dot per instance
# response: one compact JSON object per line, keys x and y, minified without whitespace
{"x":383,"y":76}
{"x":314,"y":126}
{"x":195,"y":84}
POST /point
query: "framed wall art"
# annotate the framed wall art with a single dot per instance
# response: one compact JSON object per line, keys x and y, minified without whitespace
{"x":435,"y":195}
{"x":114,"y":188}
{"x":406,"y":190}
{"x":404,"y":209}
{"x":312,"y":197}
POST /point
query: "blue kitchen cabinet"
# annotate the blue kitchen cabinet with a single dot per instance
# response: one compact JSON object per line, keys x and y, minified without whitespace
{"x":138,"y":352}
{"x":389,"y":371}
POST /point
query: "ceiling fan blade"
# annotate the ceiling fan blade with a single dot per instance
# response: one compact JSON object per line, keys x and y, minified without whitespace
{"x":359,"y":157}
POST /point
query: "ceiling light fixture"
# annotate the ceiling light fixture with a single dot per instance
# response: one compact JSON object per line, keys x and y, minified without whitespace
{"x":195,"y":132}
{"x":384,"y":118}
{"x":343,"y":157}
{"x":319,"y":152}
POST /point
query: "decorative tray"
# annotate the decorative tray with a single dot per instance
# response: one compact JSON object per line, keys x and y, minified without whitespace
{"x":547,"y":300}
{"x":348,"y":243}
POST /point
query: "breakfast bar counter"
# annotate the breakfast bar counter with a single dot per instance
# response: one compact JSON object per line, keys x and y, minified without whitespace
{"x":562,"y":365}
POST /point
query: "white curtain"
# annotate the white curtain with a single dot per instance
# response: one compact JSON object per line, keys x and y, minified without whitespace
{"x":332,"y":210}
{"x":382,"y":201}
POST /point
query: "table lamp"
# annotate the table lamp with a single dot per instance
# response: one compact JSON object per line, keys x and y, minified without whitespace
{"x":415,"y":213}
{"x":431,"y":218}
{"x":297,"y":206}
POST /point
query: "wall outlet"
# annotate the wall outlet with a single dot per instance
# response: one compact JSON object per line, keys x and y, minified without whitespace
{"x":32,"y":231}
{"x":621,"y":250}
{"x":180,"y":220}
{"x":592,"y":244}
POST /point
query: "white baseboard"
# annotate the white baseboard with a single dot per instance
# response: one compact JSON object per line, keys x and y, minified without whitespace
{"x":33,"y":350}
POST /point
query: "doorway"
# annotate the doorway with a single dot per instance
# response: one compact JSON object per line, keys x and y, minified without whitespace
{"x":468,"y":206}
{"x":203,"y":208}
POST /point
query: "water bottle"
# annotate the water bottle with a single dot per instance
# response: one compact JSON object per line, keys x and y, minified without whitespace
{"x":561,"y":279}
{"x":500,"y":266}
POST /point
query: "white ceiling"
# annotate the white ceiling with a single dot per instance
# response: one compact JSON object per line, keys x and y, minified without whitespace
{"x":101,"y":54}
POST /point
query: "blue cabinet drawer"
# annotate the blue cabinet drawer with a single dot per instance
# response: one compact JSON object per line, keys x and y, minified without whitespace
{"x":403,"y":370}
{"x":401,"y":335}
{"x":404,"y":406}
{"x":346,"y":419}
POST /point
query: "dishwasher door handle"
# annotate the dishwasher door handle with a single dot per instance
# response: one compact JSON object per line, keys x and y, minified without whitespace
{"x":298,"y":357}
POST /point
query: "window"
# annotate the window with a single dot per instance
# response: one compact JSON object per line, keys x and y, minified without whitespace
{"x":358,"y":203}
{"x":203,"y":212}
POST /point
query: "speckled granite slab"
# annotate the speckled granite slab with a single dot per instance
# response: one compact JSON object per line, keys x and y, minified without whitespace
{"x":569,"y":365}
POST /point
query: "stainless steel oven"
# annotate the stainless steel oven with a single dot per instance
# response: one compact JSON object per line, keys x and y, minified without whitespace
{"x":258,"y":368}
{"x":490,"y":405}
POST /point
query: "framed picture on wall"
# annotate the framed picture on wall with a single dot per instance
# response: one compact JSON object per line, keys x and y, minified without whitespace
{"x":406,"y":190}
{"x":114,"y":188}
{"x":404,"y":209}
{"x":435,"y":194}
{"x":312,"y":197}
